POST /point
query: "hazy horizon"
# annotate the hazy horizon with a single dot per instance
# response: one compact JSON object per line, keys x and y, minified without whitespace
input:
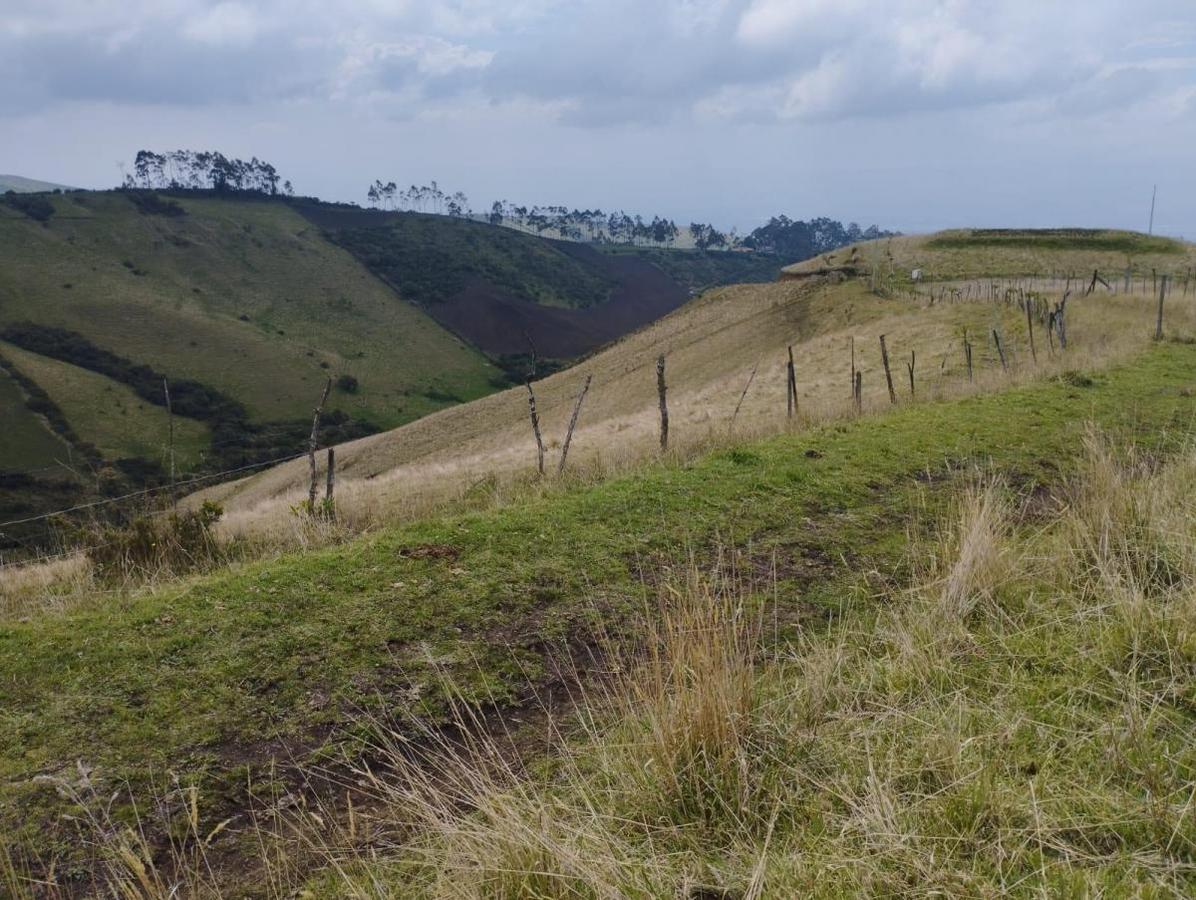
{"x":913,"y":115}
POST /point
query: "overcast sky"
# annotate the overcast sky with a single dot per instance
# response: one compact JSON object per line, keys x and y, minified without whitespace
{"x":911,"y":114}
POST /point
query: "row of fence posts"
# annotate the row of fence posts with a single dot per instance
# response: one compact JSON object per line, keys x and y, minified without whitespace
{"x":1053,"y":317}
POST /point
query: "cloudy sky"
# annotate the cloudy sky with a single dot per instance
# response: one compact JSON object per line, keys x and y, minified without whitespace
{"x":912,"y":114}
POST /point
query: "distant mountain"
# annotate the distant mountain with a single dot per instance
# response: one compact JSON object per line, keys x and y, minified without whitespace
{"x":23,"y":185}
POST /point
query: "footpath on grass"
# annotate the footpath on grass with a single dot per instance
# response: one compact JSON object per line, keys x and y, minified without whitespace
{"x":212,"y":679}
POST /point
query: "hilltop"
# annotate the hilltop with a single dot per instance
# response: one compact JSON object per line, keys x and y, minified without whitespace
{"x":22,"y":185}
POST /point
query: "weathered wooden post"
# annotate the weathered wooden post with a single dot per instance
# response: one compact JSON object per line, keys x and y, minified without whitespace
{"x":791,"y":385}
{"x":1158,"y":325}
{"x":311,"y":447}
{"x":884,"y":358}
{"x":1000,"y":350}
{"x":746,"y":387}
{"x":664,"y":407}
{"x":858,"y":392}
{"x":967,"y":353}
{"x":573,"y":424}
{"x":1061,"y":321}
{"x":531,"y":407}
{"x":913,"y":359}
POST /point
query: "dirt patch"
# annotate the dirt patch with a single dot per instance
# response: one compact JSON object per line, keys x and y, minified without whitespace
{"x":430,"y":551}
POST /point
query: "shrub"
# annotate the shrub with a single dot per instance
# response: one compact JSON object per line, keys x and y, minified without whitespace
{"x":148,"y":545}
{"x":347,"y":383}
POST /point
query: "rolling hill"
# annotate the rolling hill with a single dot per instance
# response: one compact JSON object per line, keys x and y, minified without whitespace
{"x":247,"y":304}
{"x":948,"y":684}
{"x":715,"y":344}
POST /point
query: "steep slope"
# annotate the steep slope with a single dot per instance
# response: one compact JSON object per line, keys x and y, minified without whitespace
{"x":713,"y":345}
{"x":507,"y":292}
{"x":242,"y":296}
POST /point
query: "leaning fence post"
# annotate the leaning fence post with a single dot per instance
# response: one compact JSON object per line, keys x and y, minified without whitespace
{"x":664,"y":407}
{"x":1000,"y":350}
{"x":967,"y":353}
{"x":311,"y":447}
{"x":531,"y":407}
{"x":573,"y":424}
{"x":746,"y":388}
{"x":884,"y":358}
{"x":913,"y":359}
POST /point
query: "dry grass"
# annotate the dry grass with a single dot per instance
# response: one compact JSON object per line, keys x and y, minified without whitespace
{"x":483,"y":452}
{"x":1014,"y":723}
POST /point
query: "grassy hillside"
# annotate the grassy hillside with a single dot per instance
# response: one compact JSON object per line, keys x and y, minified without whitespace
{"x":215,"y":677}
{"x":109,"y":415}
{"x":26,"y":442}
{"x":240,"y":295}
{"x":1013,"y":253}
{"x":505,"y":291}
{"x":456,"y":589}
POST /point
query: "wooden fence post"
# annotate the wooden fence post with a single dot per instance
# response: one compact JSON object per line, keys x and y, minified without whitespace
{"x":664,"y":407}
{"x":531,"y":408}
{"x":857,"y":392}
{"x":913,"y":359}
{"x":1000,"y":350}
{"x":746,"y":387}
{"x":1158,"y":325}
{"x":311,"y":447}
{"x":573,"y":424}
{"x":791,"y":385}
{"x":1060,"y":320}
{"x":967,"y":353}
{"x":884,"y":358}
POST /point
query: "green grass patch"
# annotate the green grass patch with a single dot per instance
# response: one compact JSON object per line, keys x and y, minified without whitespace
{"x":195,"y":676}
{"x":110,"y":415}
{"x":26,"y":442}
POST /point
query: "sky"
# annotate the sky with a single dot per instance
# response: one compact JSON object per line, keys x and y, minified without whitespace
{"x":909,"y":114}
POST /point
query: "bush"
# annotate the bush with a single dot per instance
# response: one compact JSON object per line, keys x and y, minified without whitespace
{"x":148,"y":545}
{"x":35,"y":206}
{"x":150,"y":204}
{"x":347,"y":383}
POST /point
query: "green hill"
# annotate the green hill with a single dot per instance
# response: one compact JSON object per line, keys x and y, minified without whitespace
{"x":247,"y":304}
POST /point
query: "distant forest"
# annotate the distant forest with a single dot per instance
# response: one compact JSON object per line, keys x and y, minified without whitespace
{"x":780,"y":236}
